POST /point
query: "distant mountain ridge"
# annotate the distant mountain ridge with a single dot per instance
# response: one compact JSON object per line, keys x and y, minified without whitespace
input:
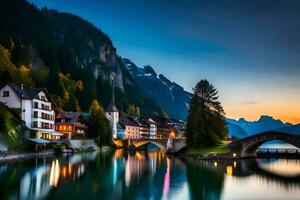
{"x":264,"y":123}
{"x":170,"y":96}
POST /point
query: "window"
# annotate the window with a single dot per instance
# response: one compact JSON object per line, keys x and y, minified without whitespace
{"x":34,"y":124}
{"x":43,"y":98}
{"x":35,"y":114}
{"x":5,"y":94}
{"x":36,"y":104}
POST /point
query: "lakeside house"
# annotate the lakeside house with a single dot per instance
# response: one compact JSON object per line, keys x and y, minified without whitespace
{"x":72,"y":125}
{"x":36,"y":109}
{"x":144,"y":128}
{"x":152,"y":128}
{"x":132,"y":128}
{"x":121,"y":131}
{"x":164,"y":127}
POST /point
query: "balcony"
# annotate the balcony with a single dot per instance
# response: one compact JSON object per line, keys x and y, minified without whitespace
{"x":34,"y":125}
{"x":43,"y":107}
{"x":50,"y":118}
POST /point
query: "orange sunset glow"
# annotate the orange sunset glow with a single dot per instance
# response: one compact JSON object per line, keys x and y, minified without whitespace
{"x":286,"y":112}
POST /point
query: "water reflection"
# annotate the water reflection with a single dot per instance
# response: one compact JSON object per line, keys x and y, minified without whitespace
{"x":147,"y":175}
{"x":281,"y":167}
{"x":54,"y":173}
{"x":35,"y":184}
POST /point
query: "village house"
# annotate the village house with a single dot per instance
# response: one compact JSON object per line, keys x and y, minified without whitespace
{"x":132,"y":129}
{"x":120,"y":130}
{"x":152,"y":129}
{"x":35,"y":107}
{"x":144,"y":128}
{"x":164,"y":128}
{"x":72,"y":125}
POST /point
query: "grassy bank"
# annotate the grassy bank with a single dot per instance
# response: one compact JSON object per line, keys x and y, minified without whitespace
{"x":218,"y":149}
{"x":12,"y":130}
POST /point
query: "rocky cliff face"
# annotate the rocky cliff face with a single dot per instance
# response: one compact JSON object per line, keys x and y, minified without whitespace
{"x":89,"y":46}
{"x":170,"y":96}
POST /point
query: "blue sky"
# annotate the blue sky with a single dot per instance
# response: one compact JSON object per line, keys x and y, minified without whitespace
{"x":248,"y":49}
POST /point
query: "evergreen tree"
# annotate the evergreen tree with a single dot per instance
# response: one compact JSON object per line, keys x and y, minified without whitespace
{"x":98,"y":125}
{"x":205,"y":125}
{"x":164,"y":115}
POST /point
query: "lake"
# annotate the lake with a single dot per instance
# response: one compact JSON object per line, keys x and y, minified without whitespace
{"x":147,"y":175}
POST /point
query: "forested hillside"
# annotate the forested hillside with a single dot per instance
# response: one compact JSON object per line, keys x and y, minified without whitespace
{"x":74,"y":60}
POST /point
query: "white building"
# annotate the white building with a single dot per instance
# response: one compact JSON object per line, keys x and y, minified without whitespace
{"x":112,"y":114}
{"x":152,"y":129}
{"x":35,"y":106}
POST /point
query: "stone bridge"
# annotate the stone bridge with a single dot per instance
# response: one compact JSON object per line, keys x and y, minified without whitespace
{"x":171,"y":145}
{"x":250,"y":167}
{"x":247,"y":147}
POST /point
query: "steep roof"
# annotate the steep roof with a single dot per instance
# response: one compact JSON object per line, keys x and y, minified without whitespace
{"x":26,"y":93}
{"x":163,"y":123}
{"x":141,"y":122}
{"x":71,"y":116}
{"x":120,"y":125}
{"x":129,"y":121}
{"x":111,"y":107}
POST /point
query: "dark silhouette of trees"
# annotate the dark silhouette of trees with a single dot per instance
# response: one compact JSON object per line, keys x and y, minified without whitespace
{"x":205,"y":125}
{"x":99,"y":127}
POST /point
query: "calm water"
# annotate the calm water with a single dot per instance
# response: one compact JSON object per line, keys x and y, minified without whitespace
{"x":147,"y":175}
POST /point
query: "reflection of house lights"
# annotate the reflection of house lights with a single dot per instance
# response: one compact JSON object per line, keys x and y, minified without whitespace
{"x":64,"y":172}
{"x":139,"y":156}
{"x":173,"y":134}
{"x":229,"y":170}
{"x":70,"y":169}
{"x":54,"y":173}
{"x":234,"y":164}
{"x":215,"y":164}
{"x":167,"y":179}
{"x":118,"y":153}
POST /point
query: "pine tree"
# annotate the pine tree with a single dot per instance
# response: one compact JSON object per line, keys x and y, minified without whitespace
{"x":205,"y":125}
{"x":98,"y":125}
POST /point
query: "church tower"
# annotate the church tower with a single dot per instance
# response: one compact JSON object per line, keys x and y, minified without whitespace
{"x":112,"y":114}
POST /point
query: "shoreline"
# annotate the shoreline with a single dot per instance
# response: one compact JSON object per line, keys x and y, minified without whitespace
{"x":15,"y":156}
{"x":23,"y":155}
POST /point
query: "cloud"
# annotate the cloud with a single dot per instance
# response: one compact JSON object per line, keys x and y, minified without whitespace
{"x":250,"y":102}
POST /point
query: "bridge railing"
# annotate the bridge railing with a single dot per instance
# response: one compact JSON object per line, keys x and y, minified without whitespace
{"x":272,"y":150}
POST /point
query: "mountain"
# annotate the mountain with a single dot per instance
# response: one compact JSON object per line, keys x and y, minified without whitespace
{"x":264,"y":123}
{"x":235,"y":131}
{"x":69,"y":56}
{"x":170,"y":96}
{"x":293,"y":129}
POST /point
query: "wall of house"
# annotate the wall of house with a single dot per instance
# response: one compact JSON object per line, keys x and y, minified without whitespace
{"x":121,"y":133}
{"x":153,"y":131}
{"x":12,"y":101}
{"x":40,"y":110}
{"x":26,"y":112}
{"x":132,"y":132}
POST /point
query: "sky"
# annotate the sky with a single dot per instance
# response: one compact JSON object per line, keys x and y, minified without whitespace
{"x":249,"y":50}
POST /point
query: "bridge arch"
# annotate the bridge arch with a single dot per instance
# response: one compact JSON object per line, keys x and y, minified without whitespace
{"x":160,"y":145}
{"x":247,"y":147}
{"x":170,"y":145}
